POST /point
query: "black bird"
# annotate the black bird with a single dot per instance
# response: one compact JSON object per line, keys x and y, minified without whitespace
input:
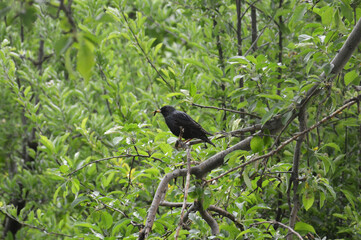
{"x":177,"y":119}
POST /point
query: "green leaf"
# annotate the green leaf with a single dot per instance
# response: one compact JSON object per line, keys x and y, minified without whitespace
{"x":257,"y":144}
{"x":238,"y":60}
{"x":195,"y":62}
{"x":106,"y":220}
{"x":322,"y":198}
{"x":350,"y":197}
{"x":327,"y":68}
{"x":338,"y":215}
{"x":304,"y":37}
{"x":299,"y":12}
{"x":4,"y":9}
{"x":193,"y":90}
{"x":330,"y":189}
{"x":267,"y":116}
{"x":47,"y":143}
{"x":304,"y":227}
{"x":166,"y":149}
{"x":75,"y":186}
{"x":83,"y":123}
{"x":27,"y":90}
{"x":78,"y":200}
{"x":56,"y":194}
{"x":307,"y":199}
{"x":119,"y":225}
{"x":233,"y":156}
{"x":64,"y":168}
{"x":327,"y":15}
{"x":106,"y":181}
{"x":85,"y":58}
{"x":271,"y":96}
{"x":247,"y":180}
{"x":61,"y":45}
{"x":350,"y":77}
{"x":333,"y":145}
{"x":89,"y":225}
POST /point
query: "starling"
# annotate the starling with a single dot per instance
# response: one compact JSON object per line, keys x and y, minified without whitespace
{"x":177,"y":120}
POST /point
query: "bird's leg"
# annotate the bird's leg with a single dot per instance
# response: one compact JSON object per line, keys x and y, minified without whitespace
{"x":181,"y":133}
{"x":179,"y":143}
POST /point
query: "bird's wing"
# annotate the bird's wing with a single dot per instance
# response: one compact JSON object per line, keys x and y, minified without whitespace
{"x":183,"y":119}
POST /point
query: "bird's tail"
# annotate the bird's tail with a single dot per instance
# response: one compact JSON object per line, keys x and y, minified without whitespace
{"x":209,"y":141}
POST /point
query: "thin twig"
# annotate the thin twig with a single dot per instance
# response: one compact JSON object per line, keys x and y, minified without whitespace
{"x":108,"y":158}
{"x":144,"y":53}
{"x":282,"y":225}
{"x":226,"y":109}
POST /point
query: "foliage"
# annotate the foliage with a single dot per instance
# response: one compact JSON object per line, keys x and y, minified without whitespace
{"x":82,"y":155}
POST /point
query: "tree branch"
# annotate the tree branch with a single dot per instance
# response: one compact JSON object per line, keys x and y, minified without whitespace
{"x":108,"y":158}
{"x":226,"y":214}
{"x":199,"y":171}
{"x":283,"y":144}
{"x":296,"y":162}
{"x":188,"y":178}
{"x":207,"y":217}
{"x":226,"y":109}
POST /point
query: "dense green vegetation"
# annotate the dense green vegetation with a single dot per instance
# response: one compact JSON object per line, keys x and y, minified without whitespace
{"x":81,"y":154}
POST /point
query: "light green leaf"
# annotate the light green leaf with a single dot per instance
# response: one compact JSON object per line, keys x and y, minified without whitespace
{"x":88,"y":225}
{"x":350,"y":77}
{"x":257,"y":144}
{"x":27,"y":90}
{"x":106,"y":220}
{"x":301,"y":226}
{"x":75,"y":186}
{"x":193,"y":90}
{"x":333,"y":145}
{"x":299,"y":13}
{"x":47,"y":143}
{"x":271,"y":96}
{"x":64,"y":168}
{"x":85,"y":58}
{"x":83,"y":123}
{"x":327,"y":15}
{"x":307,"y":199}
{"x":61,"y":45}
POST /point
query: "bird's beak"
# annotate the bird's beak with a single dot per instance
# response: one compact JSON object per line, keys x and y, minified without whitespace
{"x":156,"y":111}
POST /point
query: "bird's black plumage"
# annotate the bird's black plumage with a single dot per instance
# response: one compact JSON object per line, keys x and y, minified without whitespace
{"x":176,"y":119}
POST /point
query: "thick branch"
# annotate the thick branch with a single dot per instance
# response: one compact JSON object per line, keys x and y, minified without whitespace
{"x":226,"y":214}
{"x":208,"y":218}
